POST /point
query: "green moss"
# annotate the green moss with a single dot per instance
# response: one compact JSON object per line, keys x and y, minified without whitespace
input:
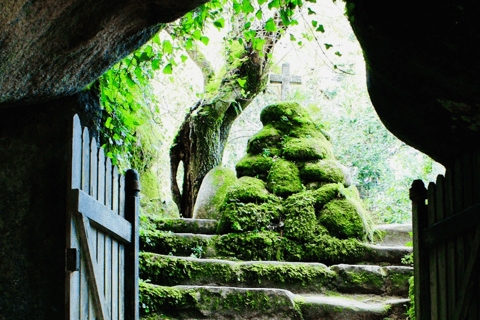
{"x":331,"y":250}
{"x":342,"y":219}
{"x":327,"y":193}
{"x":267,"y":138}
{"x":264,"y":245}
{"x":182,"y":226}
{"x":300,"y":219}
{"x":169,"y":243}
{"x":411,"y":295}
{"x":254,"y":165}
{"x":171,"y":271}
{"x":284,"y":116}
{"x":308,"y":149}
{"x":284,"y":178}
{"x":150,"y":185}
{"x":248,"y":189}
{"x":325,"y":171}
{"x":239,"y":217}
{"x":159,"y":301}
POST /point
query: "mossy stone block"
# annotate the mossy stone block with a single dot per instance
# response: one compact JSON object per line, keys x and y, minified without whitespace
{"x":328,"y":193}
{"x":254,"y":165}
{"x":268,"y":138}
{"x":300,"y":219}
{"x":240,"y":217}
{"x":212,"y":193}
{"x":308,"y":149}
{"x":248,"y":189}
{"x":342,"y":219}
{"x":325,"y":171}
{"x":284,"y":178}
{"x":284,"y":115}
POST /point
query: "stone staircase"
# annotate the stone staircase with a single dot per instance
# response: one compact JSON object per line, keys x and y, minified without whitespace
{"x":184,"y":279}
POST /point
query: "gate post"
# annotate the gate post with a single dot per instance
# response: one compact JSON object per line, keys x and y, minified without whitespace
{"x":418,"y":195}
{"x":132,"y":204}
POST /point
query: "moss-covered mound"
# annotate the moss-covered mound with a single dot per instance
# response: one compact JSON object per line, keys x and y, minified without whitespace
{"x":294,"y":201}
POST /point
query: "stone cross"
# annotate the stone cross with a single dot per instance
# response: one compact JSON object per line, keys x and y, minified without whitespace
{"x":285,"y":79}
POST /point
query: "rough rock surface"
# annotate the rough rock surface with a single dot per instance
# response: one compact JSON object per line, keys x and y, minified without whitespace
{"x":212,"y":192}
{"x":422,"y":70}
{"x":55,"y":48}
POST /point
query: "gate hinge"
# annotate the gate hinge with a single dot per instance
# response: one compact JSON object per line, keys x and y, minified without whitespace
{"x":73,"y":259}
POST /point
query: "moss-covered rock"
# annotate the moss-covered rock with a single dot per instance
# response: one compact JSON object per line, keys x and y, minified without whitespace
{"x":268,"y":138}
{"x":248,"y":189}
{"x":300,"y":220}
{"x":240,"y":217}
{"x":212,"y":193}
{"x":328,"y":193}
{"x":169,"y":243}
{"x":324,"y":171}
{"x":308,"y":149}
{"x":342,"y":219}
{"x":284,"y":116}
{"x":284,"y":178}
{"x":254,"y":166}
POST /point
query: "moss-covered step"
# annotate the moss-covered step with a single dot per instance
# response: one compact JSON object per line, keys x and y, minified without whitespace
{"x":393,"y":234}
{"x":351,"y":307}
{"x":387,"y":254}
{"x":180,"y":244}
{"x":204,"y":302}
{"x":182,"y":225}
{"x":296,"y":277}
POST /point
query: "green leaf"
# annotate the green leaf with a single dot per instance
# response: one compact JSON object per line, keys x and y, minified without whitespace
{"x":274,"y":4}
{"x":197,"y":34}
{"x":168,"y":69}
{"x":320,"y":28}
{"x":258,"y":44}
{"x":183,"y":57}
{"x":249,"y":35}
{"x":241,"y":82}
{"x":270,"y":25}
{"x":188,"y":44}
{"x":205,"y":40}
{"x":292,"y":37}
{"x":237,"y":7}
{"x":156,"y":39}
{"x":328,"y":46}
{"x":260,"y":2}
{"x":247,"y":7}
{"x":259,"y":14}
{"x":220,"y":23}
{"x":314,"y":23}
{"x":156,"y":64}
{"x":300,"y":43}
{"x":167,"y":47}
{"x":338,"y":53}
{"x":108,"y":123}
{"x":310,"y":11}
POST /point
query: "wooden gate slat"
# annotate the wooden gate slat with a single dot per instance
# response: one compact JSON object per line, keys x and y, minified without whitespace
{"x":99,"y":302}
{"x":450,"y":254}
{"x":469,"y":279}
{"x":459,"y":242}
{"x":433,"y":253}
{"x":108,"y":239}
{"x":115,"y":200}
{"x":73,"y":278}
{"x":442,"y":270}
{"x":121,"y":291}
{"x":84,"y":289}
{"x":101,"y":235}
{"x":93,"y":193}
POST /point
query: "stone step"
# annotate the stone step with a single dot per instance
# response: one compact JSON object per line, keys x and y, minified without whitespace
{"x":202,"y":246}
{"x":209,"y":302}
{"x":182,"y":225}
{"x":351,"y":307}
{"x":393,"y":234}
{"x":213,"y":302}
{"x":298,"y":277}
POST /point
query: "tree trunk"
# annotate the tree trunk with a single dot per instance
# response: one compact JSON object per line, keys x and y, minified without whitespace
{"x":201,"y":139}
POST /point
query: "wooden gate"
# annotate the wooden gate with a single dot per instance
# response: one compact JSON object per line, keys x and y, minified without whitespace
{"x":446,"y":234}
{"x":102,"y":235}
